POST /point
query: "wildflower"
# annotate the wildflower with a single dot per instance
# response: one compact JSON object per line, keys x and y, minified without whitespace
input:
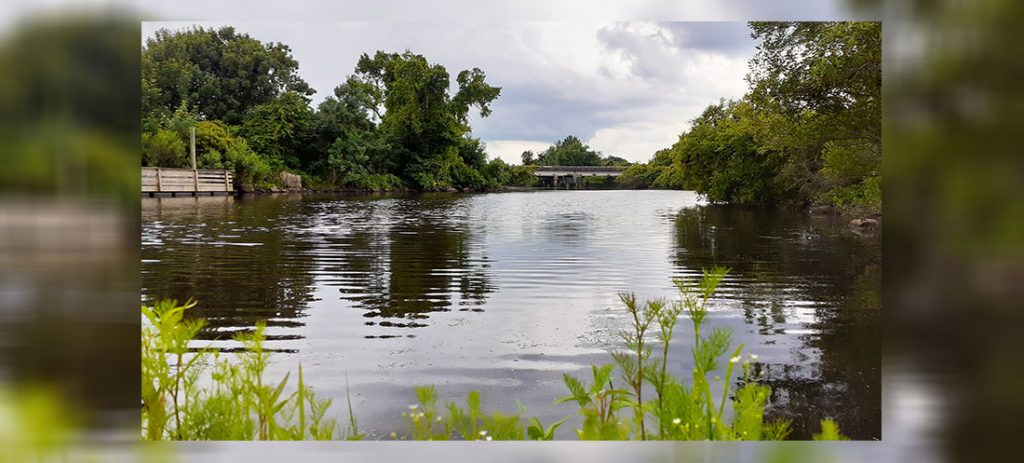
{"x":677,"y":421}
{"x":413,"y":407}
{"x":488,"y":438}
{"x":483,"y":433}
{"x":394,"y":436}
{"x":439,"y":419}
{"x":734,"y":359}
{"x":753,"y":356}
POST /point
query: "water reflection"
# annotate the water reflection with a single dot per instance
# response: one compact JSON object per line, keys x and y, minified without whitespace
{"x":232,"y":255}
{"x":503,"y":293}
{"x":260,"y":259}
{"x":399,"y":260}
{"x":807,"y":277}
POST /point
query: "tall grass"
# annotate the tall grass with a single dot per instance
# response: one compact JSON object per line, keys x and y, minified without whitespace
{"x":196,"y":394}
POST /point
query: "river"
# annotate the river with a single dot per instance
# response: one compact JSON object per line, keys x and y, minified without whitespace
{"x":505,"y":292}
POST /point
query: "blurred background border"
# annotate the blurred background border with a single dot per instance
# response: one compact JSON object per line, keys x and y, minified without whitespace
{"x":953,"y":240}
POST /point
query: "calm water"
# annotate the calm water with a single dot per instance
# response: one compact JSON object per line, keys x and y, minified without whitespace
{"x":505,"y":292}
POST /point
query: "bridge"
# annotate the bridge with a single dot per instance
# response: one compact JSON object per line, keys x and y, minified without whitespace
{"x":570,"y":175}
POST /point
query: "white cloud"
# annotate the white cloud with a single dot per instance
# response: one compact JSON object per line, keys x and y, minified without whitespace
{"x":635,"y":141}
{"x":511,"y":151}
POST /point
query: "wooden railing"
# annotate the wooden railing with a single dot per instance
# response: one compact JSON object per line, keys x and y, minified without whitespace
{"x":165,"y":180}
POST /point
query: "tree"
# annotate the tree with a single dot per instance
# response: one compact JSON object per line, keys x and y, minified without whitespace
{"x":615,"y":161}
{"x":820,"y":85}
{"x":219,"y":73}
{"x":421,"y":124}
{"x":808,"y":131}
{"x":569,"y":151}
{"x":280,"y":130}
{"x":722,"y":159}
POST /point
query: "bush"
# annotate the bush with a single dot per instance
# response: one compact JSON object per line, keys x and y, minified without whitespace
{"x":466,"y":177}
{"x":249,"y":167}
{"x":210,"y":159}
{"x":163,"y":148}
{"x":670,"y":178}
{"x":861,"y":198}
{"x":637,"y":176}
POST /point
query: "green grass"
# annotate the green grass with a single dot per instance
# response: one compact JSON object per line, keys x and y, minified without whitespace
{"x":198,"y":394}
{"x":192,"y":394}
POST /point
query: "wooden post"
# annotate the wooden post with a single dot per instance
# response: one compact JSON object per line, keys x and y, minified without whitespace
{"x":159,"y":182}
{"x":192,"y":142}
{"x":195,"y":179}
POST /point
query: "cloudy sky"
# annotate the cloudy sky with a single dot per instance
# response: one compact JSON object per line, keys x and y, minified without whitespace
{"x":625,"y":88}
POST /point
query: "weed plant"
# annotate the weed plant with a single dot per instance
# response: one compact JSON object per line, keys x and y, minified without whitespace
{"x":195,"y":394}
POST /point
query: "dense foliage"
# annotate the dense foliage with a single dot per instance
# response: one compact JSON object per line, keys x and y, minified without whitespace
{"x":809,"y":129}
{"x":807,"y":132}
{"x":391,"y":124}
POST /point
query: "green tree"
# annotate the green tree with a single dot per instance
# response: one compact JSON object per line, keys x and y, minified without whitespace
{"x":722,"y":159}
{"x":280,"y":129}
{"x":808,"y":131}
{"x":569,"y":151}
{"x":220,"y":73}
{"x":422,"y":125}
{"x":819,"y":84}
{"x":344,"y":116}
{"x":615,"y":161}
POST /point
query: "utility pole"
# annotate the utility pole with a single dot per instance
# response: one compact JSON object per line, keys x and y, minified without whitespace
{"x":192,"y":142}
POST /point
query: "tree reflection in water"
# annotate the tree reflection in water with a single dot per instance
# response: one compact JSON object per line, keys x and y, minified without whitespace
{"x":795,"y":273}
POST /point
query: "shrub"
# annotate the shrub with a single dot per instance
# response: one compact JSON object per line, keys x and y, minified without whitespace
{"x":249,"y":167}
{"x":163,"y":148}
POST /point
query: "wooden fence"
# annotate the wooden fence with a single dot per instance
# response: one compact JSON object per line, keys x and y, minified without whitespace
{"x":165,"y":180}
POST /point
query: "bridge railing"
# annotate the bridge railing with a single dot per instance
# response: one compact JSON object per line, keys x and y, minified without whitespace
{"x":582,"y":168}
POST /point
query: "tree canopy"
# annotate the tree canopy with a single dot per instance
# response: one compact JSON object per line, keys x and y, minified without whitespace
{"x":219,"y":73}
{"x":808,"y":130}
{"x":392,"y":123}
{"x":570,"y":151}
{"x":424,"y":128}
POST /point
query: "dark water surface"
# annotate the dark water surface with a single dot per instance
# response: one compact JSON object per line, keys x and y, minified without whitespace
{"x":505,"y":292}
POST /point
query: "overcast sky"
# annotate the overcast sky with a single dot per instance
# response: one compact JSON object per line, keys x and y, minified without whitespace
{"x":626,"y":89}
